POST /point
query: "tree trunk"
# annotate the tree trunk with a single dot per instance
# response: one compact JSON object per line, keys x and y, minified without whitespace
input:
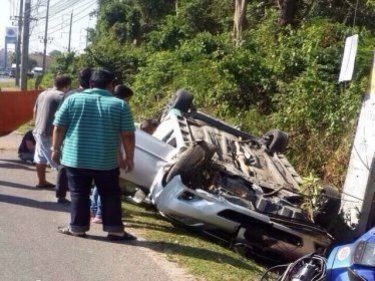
{"x":288,"y":9}
{"x":239,"y":18}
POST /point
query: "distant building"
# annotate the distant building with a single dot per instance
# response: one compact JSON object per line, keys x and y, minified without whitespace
{"x":2,"y":58}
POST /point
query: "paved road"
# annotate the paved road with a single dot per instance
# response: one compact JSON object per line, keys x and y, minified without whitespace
{"x":31,"y":249}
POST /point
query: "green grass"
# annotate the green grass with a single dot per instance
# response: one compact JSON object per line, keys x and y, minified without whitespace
{"x":9,"y":84}
{"x":201,"y":257}
{"x":25,"y":127}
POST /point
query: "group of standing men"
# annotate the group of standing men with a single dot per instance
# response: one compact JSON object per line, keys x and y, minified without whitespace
{"x":88,"y":127}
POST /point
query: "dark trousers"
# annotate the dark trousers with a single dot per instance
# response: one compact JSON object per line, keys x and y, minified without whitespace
{"x":107,"y":182}
{"x":61,"y":182}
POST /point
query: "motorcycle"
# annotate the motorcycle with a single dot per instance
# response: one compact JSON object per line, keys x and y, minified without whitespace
{"x":350,"y":262}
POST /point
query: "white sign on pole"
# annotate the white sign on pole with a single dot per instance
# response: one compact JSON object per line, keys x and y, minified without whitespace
{"x":347,"y":65}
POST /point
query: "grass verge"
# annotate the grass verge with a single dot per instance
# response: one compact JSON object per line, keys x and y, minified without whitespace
{"x":7,"y":84}
{"x":25,"y":127}
{"x":201,"y":257}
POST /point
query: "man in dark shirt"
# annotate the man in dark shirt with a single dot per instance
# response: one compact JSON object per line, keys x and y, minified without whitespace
{"x":27,"y":147}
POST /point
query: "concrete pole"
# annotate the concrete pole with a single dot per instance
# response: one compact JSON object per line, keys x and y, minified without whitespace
{"x":359,"y":188}
{"x":87,"y":37}
{"x":6,"y":54}
{"x":70,"y":31}
{"x":18,"y":49}
{"x":25,"y":45}
{"x":45,"y":38}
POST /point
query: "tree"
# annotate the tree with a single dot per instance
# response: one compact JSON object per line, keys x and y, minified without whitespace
{"x":54,"y":53}
{"x":239,"y":18}
{"x":64,"y":63}
{"x":32,"y":63}
{"x":288,"y":10}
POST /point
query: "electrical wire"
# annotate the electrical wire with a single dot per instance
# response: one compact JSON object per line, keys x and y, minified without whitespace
{"x":85,"y":4}
{"x":68,"y":24}
{"x":35,"y":39}
{"x":52,"y":29}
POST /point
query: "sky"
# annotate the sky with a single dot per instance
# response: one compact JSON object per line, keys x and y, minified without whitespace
{"x":58,"y":30}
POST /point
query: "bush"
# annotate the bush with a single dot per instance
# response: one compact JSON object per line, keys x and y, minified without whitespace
{"x":280,"y":77}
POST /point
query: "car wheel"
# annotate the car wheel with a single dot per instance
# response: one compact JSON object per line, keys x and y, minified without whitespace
{"x":181,"y":100}
{"x":328,"y":204}
{"x":275,"y":140}
{"x":194,"y":157}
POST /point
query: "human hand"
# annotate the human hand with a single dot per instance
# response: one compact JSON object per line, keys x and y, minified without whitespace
{"x":56,"y":157}
{"x":121,"y":162}
{"x":129,"y":164}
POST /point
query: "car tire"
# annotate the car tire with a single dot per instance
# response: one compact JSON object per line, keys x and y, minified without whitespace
{"x":275,"y":140}
{"x":181,"y":100}
{"x":328,"y":204}
{"x":194,"y":157}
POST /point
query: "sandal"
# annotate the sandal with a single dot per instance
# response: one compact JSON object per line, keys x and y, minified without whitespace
{"x":125,"y":237}
{"x":66,"y":231}
{"x":46,"y":185}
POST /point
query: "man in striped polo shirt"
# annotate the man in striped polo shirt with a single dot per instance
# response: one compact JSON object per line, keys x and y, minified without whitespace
{"x":89,"y":125}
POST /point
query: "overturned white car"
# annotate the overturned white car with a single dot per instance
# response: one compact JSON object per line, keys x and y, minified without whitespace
{"x":203,"y":173}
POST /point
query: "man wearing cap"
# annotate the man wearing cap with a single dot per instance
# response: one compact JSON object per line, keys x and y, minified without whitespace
{"x":90,"y":125}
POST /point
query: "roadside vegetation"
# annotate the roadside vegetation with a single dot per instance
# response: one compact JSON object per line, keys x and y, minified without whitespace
{"x":276,"y":66}
{"x":9,"y":85}
{"x":6,"y":85}
{"x":271,"y":64}
{"x":202,"y":258}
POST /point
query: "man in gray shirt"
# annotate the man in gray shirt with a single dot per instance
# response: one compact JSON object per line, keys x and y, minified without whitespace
{"x":45,"y":108}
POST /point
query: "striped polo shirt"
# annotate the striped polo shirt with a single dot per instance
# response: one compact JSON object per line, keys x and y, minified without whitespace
{"x":93,"y":120}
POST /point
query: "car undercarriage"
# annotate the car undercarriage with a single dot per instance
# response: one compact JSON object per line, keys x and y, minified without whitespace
{"x":208,"y":175}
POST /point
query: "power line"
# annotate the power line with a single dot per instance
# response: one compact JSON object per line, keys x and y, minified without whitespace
{"x":83,"y":9}
{"x":60,"y":27}
{"x":73,"y":22}
{"x":61,"y":5}
{"x":89,"y":3}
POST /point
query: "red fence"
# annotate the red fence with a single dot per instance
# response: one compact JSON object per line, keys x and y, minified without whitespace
{"x":16,"y":108}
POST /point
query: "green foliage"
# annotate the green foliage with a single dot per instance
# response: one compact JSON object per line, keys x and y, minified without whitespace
{"x":64,"y":63}
{"x":168,"y":35}
{"x":199,"y":17}
{"x":284,"y":77}
{"x":32,"y":63}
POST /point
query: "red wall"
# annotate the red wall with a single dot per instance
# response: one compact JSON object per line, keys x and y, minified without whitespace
{"x":16,"y":108}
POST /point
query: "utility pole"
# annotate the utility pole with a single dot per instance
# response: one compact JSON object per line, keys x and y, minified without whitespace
{"x":87,"y":36}
{"x":45,"y":38}
{"x":18,"y":49}
{"x":70,"y":30}
{"x":25,"y":45}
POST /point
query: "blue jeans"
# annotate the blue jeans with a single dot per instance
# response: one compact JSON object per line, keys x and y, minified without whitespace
{"x":107,"y":182}
{"x":96,"y":204}
{"x":61,"y":182}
